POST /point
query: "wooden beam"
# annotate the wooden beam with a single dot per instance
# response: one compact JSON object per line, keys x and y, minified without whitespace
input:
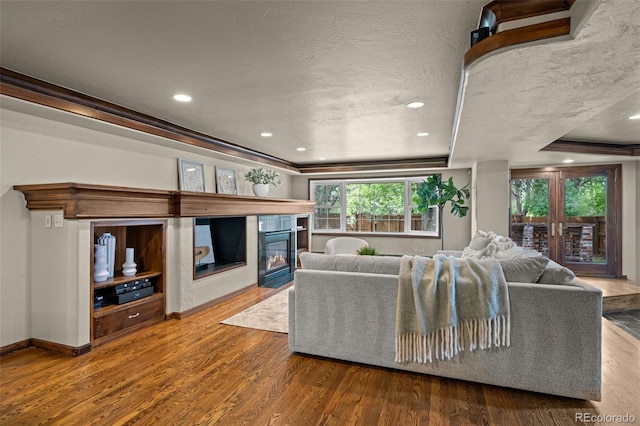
{"x":509,"y":10}
{"x":40,"y":92}
{"x":361,"y":166}
{"x":601,"y":148}
{"x":513,"y":37}
{"x":29,"y":89}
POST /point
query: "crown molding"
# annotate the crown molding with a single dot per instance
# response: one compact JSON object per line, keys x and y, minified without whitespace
{"x":40,"y":92}
{"x":29,"y":89}
{"x":601,"y":148}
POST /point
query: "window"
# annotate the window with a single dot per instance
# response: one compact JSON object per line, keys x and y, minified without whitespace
{"x":381,"y":206}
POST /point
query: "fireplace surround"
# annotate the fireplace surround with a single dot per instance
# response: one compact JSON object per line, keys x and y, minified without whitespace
{"x":276,"y":250}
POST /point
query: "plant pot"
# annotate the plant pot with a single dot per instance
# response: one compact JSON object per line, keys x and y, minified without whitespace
{"x":260,"y":189}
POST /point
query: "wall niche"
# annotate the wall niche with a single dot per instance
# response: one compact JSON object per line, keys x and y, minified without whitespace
{"x":220,"y":243}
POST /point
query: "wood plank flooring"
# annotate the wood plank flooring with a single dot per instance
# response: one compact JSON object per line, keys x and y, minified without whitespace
{"x":196,"y":371}
{"x":618,"y":294}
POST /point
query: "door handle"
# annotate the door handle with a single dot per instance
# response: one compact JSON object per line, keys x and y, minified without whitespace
{"x":560,"y":229}
{"x":553,"y":229}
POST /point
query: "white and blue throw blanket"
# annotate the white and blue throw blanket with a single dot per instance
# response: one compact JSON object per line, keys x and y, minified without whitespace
{"x":448,"y":304}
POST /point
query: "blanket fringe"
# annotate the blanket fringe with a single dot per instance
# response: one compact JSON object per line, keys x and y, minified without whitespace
{"x":447,"y":342}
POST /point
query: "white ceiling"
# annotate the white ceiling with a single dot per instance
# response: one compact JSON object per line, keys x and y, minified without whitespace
{"x":334,"y":76}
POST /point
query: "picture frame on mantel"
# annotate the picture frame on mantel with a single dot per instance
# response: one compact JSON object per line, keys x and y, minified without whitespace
{"x":190,"y":175}
{"x":226,"y":181}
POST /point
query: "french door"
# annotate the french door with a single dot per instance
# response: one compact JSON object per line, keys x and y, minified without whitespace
{"x":571,"y":215}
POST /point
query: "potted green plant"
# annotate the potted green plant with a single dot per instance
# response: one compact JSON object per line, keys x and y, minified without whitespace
{"x":433,"y":191}
{"x":368,"y":251}
{"x":261,"y":179}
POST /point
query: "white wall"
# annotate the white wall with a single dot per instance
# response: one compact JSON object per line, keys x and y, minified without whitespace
{"x":636,"y":279}
{"x":41,"y":145}
{"x":631,"y":257}
{"x":629,"y":219}
{"x":457,"y":230}
{"x":490,"y":197}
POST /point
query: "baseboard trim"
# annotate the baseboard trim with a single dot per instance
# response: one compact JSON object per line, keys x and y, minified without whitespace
{"x":24,"y":344}
{"x":60,"y":348}
{"x":49,"y":346}
{"x":207,"y":305}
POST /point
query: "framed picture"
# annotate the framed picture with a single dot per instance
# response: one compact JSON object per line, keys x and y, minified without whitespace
{"x":226,"y":180}
{"x":191,"y":176}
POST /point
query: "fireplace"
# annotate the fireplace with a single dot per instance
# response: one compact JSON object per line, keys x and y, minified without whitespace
{"x":276,"y":250}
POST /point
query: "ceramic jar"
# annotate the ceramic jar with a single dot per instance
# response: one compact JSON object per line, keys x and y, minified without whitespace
{"x":100,"y":265}
{"x":129,"y":266}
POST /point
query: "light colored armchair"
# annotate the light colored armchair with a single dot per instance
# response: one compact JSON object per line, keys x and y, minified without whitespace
{"x":344,"y":245}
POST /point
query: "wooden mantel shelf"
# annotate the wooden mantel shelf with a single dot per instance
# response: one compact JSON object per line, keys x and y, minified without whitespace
{"x":192,"y":204}
{"x":84,"y":201}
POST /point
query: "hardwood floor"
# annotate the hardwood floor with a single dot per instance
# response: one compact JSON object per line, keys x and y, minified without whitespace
{"x":198,"y":371}
{"x":618,"y":294}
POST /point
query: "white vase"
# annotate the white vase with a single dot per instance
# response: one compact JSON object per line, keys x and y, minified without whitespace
{"x":260,"y":189}
{"x":110,"y":241}
{"x":129,"y":266}
{"x":100,"y":265}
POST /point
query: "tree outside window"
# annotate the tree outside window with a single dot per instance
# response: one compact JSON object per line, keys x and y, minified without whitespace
{"x":371,"y":206}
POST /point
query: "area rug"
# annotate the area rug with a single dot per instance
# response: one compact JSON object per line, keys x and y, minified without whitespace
{"x":271,"y":314}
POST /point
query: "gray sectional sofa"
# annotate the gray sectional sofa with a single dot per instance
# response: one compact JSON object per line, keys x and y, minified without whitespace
{"x":343,"y":307}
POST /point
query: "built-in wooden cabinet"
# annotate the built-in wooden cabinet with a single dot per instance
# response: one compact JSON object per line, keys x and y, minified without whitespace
{"x":302,"y":236}
{"x":137,"y":217}
{"x":112,"y":315}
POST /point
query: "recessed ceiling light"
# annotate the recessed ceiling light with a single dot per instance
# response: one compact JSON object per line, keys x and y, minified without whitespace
{"x":266,"y":134}
{"x":422,"y":134}
{"x":635,"y":117}
{"x":415,"y":104}
{"x":568,"y":161}
{"x":301,"y":149}
{"x":321,"y":158}
{"x":182,"y":97}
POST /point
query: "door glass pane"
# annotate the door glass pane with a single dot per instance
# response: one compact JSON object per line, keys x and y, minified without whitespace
{"x":585,"y":210}
{"x":530,"y":214}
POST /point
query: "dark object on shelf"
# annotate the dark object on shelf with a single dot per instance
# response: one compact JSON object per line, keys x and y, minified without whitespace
{"x":130,"y":296}
{"x":98,"y":301}
{"x":479,"y":35}
{"x":132,"y":286}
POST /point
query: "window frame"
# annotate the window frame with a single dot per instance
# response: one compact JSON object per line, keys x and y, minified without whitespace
{"x":408,"y":206}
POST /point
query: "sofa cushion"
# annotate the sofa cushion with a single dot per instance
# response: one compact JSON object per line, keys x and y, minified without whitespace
{"x":387,"y":265}
{"x":480,"y":240}
{"x":556,"y":274}
{"x":523,"y":270}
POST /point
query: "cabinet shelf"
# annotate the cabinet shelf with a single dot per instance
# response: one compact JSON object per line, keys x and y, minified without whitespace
{"x":109,"y":309}
{"x":122,"y":279}
{"x":302,"y":236}
{"x":147,"y":238}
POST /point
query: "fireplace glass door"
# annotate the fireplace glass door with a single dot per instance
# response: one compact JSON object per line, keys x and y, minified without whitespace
{"x":276,"y":257}
{"x":277,"y":253}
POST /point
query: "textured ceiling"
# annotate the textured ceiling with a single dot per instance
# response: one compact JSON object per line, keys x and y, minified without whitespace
{"x":518,"y":101}
{"x":334,"y":76}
